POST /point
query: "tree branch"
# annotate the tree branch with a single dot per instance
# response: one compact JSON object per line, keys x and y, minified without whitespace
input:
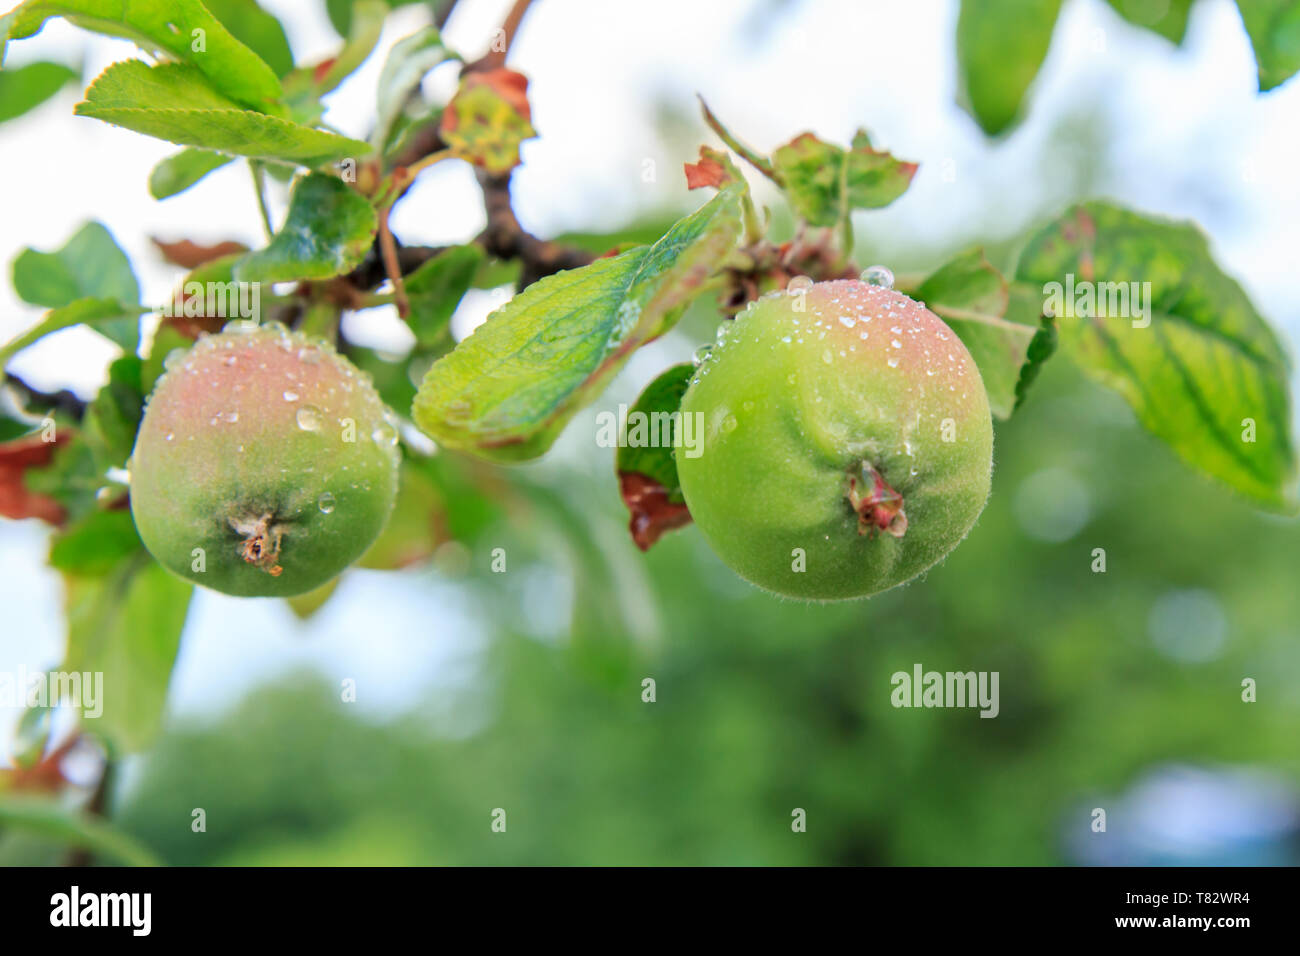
{"x":505,"y":238}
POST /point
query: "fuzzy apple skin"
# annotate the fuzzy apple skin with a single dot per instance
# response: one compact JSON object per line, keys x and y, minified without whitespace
{"x":793,"y":403}
{"x":246,"y":452}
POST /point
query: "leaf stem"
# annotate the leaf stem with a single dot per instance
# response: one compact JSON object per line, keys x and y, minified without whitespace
{"x":259,"y":187}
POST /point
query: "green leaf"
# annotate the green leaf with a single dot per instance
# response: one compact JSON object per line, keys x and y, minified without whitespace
{"x":166,"y":339}
{"x":392,"y":380}
{"x":96,"y":544}
{"x":1041,"y":347}
{"x":408,"y":61}
{"x":183,"y":28}
{"x":180,"y":171}
{"x":1167,"y":18}
{"x":174,"y":102}
{"x":1000,"y":46}
{"x":256,"y":29}
{"x":127,"y":625}
{"x":73,"y":828}
{"x":645,"y":462}
{"x":27,"y":87}
{"x":645,"y":453}
{"x":1274,"y":28}
{"x":90,"y":265}
{"x":96,"y":313}
{"x":507,"y":390}
{"x":72,"y":478}
{"x":366,"y":26}
{"x":825,"y":182}
{"x":113,"y":417}
{"x":972,"y":298}
{"x":1200,"y":366}
{"x":328,"y":230}
{"x":436,"y":288}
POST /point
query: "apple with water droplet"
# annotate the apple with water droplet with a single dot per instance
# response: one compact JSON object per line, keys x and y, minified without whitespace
{"x":264,"y":466}
{"x":848,"y":443}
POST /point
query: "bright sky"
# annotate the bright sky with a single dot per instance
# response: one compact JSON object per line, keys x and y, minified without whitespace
{"x":1183,"y":133}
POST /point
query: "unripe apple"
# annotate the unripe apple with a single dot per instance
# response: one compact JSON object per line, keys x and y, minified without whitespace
{"x":264,"y":465}
{"x":848,"y":444}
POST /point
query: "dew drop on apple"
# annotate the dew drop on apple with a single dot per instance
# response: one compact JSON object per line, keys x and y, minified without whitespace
{"x":881,"y":276}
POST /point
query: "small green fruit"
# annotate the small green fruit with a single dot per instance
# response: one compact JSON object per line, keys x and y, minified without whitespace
{"x":264,"y":466}
{"x":847,"y":444}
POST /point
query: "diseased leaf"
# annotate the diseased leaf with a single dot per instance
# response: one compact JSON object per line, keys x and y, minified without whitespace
{"x":714,"y":169}
{"x":327,"y":232}
{"x":189,"y":254}
{"x":17,"y":500}
{"x":507,"y":391}
{"x":488,"y":118}
{"x":1142,"y":306}
{"x":647,"y":470}
{"x":1274,"y":28}
{"x":171,"y":26}
{"x":180,"y":171}
{"x":1000,"y":46}
{"x":127,"y":625}
{"x":972,"y":298}
{"x":436,"y":288}
{"x":173,"y":101}
{"x":24,"y":88}
{"x":825,"y":182}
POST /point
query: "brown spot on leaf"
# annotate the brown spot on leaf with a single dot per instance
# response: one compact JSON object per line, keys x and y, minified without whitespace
{"x":652,"y":512}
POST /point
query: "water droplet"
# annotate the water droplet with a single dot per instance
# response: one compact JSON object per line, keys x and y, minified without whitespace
{"x":848,"y":321}
{"x":723,"y":331}
{"x":799,"y":284}
{"x":309,"y":418}
{"x":896,"y":344}
{"x":893,"y":363}
{"x":169,"y":436}
{"x":104,"y":494}
{"x":826,"y":356}
{"x":701,"y":355}
{"x":239,"y":327}
{"x":879,"y":276}
{"x":174,"y":358}
{"x":326,"y":503}
{"x":290,"y":395}
{"x":384,"y":434}
{"x":309,"y":355}
{"x":729,"y":423}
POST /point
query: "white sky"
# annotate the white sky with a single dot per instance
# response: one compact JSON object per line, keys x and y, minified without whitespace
{"x":1184,"y":131}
